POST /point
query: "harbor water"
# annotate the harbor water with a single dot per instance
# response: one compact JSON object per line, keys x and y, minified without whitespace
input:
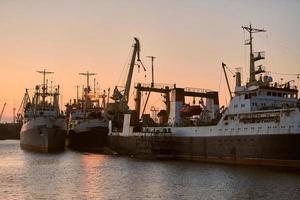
{"x":75,"y":175}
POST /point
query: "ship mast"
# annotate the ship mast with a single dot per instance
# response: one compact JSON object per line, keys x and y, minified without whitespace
{"x":44,"y":88}
{"x":152,"y":67}
{"x":253,"y":56}
{"x":88,"y":74}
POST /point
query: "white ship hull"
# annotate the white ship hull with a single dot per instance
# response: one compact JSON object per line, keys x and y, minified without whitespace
{"x":43,"y":134}
{"x":275,"y":143}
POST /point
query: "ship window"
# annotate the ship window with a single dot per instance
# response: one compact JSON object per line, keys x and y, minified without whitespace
{"x":268,"y":93}
{"x":279,"y":94}
{"x":232,"y":117}
{"x":274,"y":94}
{"x":242,"y":105}
{"x":235,"y":106}
{"x":245,"y":128}
{"x":247,"y":96}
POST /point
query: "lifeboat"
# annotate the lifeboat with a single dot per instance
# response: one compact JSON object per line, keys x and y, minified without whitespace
{"x":188,"y":110}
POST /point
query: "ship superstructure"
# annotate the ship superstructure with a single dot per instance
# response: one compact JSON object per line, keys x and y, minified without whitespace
{"x":261,"y":124}
{"x":88,"y":128}
{"x":43,"y":126}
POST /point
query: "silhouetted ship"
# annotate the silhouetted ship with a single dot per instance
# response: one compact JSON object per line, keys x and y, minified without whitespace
{"x":260,"y":126}
{"x":44,"y":126}
{"x":88,"y":128}
{"x":9,"y":130}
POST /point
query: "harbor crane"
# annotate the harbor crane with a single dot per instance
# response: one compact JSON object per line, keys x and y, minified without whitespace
{"x":121,"y":99}
{"x":3,"y":108}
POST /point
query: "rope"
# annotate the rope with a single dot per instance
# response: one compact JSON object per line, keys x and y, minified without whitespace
{"x":124,"y":67}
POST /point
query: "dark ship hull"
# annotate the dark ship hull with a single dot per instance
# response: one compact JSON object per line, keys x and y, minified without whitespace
{"x":43,"y":139}
{"x":10,"y":131}
{"x":93,"y":140}
{"x":269,"y":150}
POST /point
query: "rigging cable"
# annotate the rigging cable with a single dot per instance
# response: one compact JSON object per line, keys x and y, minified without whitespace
{"x":124,"y":67}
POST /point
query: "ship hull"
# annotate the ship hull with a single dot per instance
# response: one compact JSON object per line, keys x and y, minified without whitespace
{"x":270,"y":150}
{"x":10,"y":131}
{"x":91,"y":140}
{"x":43,"y":139}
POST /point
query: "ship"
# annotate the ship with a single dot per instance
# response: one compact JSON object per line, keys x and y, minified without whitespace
{"x":10,"y":130}
{"x":260,"y":126}
{"x":44,"y":125}
{"x":87,"y":127}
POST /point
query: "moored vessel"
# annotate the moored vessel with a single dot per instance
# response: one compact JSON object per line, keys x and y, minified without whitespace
{"x":44,"y":127}
{"x":87,"y":127}
{"x":10,"y":130}
{"x":260,"y":126}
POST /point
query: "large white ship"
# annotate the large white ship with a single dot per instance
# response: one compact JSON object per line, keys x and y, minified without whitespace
{"x":260,"y":126}
{"x":44,"y":127}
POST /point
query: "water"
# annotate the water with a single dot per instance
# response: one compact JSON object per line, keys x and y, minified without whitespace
{"x":74,"y":175}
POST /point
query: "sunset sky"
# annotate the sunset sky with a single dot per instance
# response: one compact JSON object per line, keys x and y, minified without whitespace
{"x":189,"y":38}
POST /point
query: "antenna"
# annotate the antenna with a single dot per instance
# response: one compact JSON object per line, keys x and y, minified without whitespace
{"x":152,"y":67}
{"x":77,"y":92}
{"x":88,"y":74}
{"x":44,"y":72}
{"x":252,"y":57}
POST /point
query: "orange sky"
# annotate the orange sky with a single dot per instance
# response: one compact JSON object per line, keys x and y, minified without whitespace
{"x":189,"y":38}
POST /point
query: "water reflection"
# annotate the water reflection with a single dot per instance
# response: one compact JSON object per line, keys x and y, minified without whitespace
{"x":74,"y":175}
{"x":91,"y":171}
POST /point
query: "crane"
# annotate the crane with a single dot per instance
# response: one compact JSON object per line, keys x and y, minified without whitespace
{"x":115,"y":110}
{"x":2,"y":111}
{"x":117,"y":95}
{"x":223,"y":66}
{"x":135,"y":56}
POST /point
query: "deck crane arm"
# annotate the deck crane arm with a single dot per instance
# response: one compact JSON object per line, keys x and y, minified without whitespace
{"x":2,"y":111}
{"x":223,"y":66}
{"x":135,"y":57}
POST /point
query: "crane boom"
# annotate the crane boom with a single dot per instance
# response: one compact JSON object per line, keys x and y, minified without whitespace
{"x":224,"y":65}
{"x":135,"y":56}
{"x":2,"y":111}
